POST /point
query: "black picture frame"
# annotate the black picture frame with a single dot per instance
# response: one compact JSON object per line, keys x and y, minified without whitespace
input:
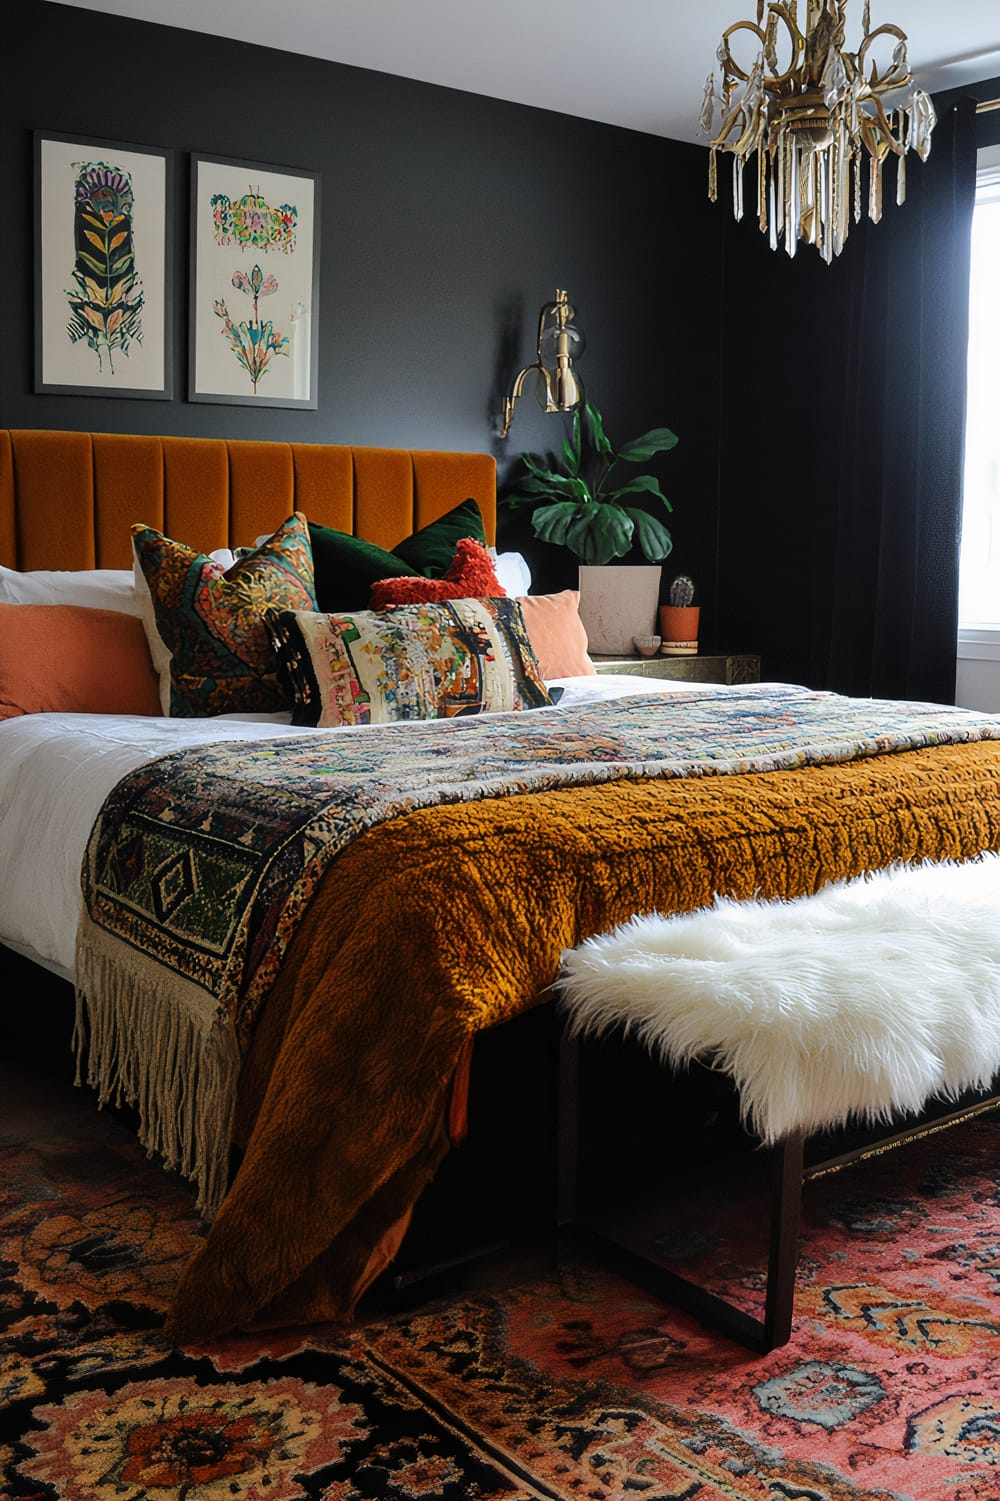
{"x":255,"y":234}
{"x":103,"y":267}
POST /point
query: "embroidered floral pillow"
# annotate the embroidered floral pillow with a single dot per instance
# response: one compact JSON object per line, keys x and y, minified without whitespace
{"x":435,"y":660}
{"x":205,"y":625}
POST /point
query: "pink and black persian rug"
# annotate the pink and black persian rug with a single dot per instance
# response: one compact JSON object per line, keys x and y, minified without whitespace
{"x":574,"y":1385}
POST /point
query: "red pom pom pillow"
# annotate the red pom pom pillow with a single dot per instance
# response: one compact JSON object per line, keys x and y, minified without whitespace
{"x":470,"y":576}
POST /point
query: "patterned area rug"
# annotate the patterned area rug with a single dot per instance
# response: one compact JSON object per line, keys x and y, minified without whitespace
{"x":576,"y":1386}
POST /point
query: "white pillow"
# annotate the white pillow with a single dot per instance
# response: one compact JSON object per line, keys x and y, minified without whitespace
{"x":95,"y":588}
{"x":512,"y":571}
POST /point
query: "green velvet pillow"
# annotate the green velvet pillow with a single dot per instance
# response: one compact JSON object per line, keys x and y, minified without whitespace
{"x":346,"y":566}
{"x":431,"y":550}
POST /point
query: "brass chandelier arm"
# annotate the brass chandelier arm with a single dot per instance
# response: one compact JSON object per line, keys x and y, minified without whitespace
{"x":798,"y":42}
{"x":881,"y":81}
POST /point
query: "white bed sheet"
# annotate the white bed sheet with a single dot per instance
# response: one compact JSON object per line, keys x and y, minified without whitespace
{"x":56,"y":771}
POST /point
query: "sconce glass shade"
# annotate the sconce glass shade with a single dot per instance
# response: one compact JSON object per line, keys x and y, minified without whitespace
{"x":558,"y":337}
{"x":558,"y":388}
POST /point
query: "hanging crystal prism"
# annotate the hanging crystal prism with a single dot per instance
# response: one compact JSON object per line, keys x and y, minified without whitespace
{"x":834,"y":83}
{"x":707,"y":117}
{"x":900,"y":63}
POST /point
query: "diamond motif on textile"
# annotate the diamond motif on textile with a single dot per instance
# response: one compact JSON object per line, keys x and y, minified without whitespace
{"x":173,"y":883}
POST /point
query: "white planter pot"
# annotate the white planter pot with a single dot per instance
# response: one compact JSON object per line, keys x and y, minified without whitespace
{"x":618,"y":602}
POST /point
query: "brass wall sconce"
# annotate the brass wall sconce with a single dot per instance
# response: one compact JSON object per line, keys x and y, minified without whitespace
{"x":557,"y":385}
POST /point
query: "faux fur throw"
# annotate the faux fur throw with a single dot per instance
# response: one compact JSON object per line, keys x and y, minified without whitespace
{"x":861,"y":1001}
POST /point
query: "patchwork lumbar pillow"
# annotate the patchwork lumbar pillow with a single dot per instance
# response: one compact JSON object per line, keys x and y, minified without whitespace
{"x":424,"y":661}
{"x":346,"y":567}
{"x":469,"y":576}
{"x":205,"y":625}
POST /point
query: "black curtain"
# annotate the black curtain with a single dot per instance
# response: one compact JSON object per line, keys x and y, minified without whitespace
{"x":841,"y":470}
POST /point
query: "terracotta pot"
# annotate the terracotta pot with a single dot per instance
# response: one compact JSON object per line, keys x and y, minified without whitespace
{"x":679,"y":629}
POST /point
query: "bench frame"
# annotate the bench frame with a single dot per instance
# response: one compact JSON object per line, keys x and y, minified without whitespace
{"x":789,"y":1172}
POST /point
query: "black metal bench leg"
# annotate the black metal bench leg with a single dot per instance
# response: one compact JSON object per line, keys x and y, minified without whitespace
{"x":783,"y":1252}
{"x":785,"y":1212}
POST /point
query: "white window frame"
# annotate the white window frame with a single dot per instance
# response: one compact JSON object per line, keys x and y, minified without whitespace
{"x":982,"y":642}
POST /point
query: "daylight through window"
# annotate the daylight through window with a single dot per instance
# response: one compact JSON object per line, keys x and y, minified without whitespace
{"x":979,"y":590}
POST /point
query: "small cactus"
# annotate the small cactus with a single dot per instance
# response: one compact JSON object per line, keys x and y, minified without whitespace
{"x":682,"y":591}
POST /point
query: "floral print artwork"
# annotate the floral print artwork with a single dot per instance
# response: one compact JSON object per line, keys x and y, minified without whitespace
{"x":255,"y":340}
{"x":252,"y":223}
{"x":106,"y":298}
{"x":255,"y":283}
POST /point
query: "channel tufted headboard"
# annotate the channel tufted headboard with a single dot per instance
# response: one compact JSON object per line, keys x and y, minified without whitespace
{"x":67,"y":499}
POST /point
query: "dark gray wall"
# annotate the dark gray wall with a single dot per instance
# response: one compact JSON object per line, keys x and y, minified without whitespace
{"x":447,"y":220}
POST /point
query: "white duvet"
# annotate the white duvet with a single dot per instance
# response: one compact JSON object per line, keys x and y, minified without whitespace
{"x":56,"y":771}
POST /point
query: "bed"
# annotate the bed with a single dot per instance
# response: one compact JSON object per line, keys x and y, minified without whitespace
{"x":505,"y":839}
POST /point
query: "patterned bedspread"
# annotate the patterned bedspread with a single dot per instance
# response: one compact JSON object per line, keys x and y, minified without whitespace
{"x":206,"y":857}
{"x":201,"y":863}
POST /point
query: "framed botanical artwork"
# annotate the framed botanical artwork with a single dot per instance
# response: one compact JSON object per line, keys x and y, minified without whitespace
{"x":102,"y":268}
{"x":254,"y":284}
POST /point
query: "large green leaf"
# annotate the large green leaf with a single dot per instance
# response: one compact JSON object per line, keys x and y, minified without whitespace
{"x":657,"y":440}
{"x":655,"y":542}
{"x":561,"y":484}
{"x":571,"y":446}
{"x":643,"y":484}
{"x":528,"y":488}
{"x":600,"y":442}
{"x":601,"y":533}
{"x":551,"y":523}
{"x":532,"y":464}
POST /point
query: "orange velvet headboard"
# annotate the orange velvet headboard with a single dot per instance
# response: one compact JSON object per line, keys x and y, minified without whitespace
{"x":67,"y":499}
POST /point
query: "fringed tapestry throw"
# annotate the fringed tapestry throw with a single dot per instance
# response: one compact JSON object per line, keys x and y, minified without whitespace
{"x":202,"y":863}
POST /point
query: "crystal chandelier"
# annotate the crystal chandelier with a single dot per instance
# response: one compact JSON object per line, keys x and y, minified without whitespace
{"x":814,"y":113}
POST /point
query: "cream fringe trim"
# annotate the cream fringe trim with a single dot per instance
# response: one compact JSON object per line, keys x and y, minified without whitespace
{"x":147,"y":1037}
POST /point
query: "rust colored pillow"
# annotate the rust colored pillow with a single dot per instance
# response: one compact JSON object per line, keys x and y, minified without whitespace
{"x":470,"y":576}
{"x":557,"y":634}
{"x":71,"y":659}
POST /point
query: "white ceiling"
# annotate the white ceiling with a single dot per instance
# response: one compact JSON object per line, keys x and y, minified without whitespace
{"x":637,"y":63}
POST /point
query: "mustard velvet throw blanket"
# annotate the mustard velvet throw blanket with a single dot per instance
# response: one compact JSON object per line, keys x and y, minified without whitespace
{"x":488,"y":847}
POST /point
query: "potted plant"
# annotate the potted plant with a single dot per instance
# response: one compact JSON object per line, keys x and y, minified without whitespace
{"x":679,"y":619}
{"x":581,"y":506}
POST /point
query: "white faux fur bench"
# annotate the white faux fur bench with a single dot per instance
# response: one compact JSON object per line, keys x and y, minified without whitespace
{"x":859,"y":1004}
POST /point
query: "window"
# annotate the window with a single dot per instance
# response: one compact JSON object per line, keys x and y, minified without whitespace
{"x":979,"y":585}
